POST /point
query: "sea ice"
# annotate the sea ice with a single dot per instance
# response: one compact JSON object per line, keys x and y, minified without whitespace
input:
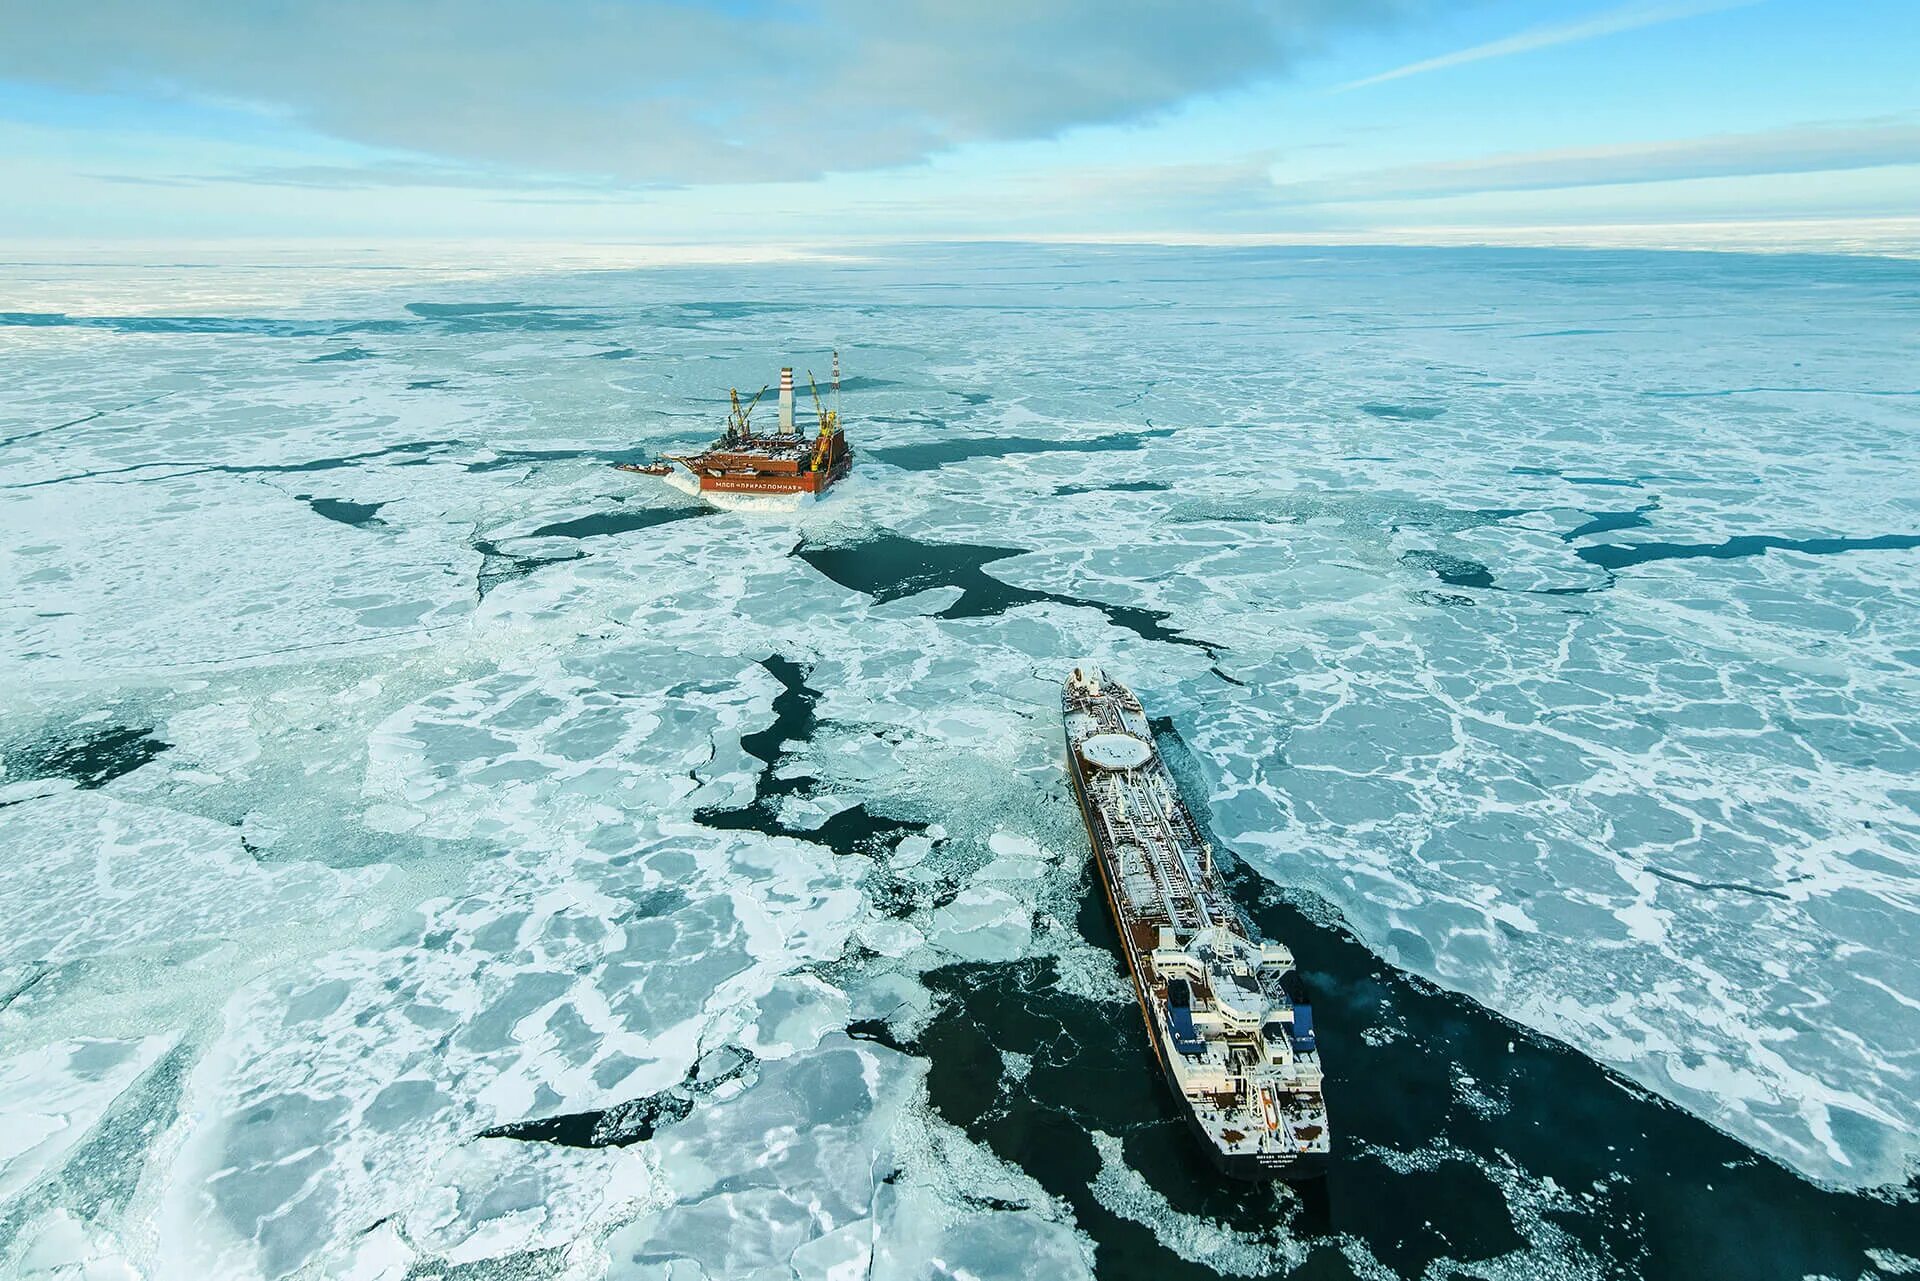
{"x":408,"y":810}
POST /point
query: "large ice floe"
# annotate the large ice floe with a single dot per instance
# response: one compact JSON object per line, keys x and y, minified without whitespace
{"x":427,"y":851}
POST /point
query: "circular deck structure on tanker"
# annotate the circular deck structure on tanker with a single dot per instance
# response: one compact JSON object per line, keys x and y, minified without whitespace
{"x":1116,"y":751}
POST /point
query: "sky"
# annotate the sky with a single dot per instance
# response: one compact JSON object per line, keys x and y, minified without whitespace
{"x":1758,"y":122}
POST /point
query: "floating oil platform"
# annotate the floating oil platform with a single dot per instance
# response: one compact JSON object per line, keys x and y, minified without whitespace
{"x":783,"y":462}
{"x":1239,"y":1054}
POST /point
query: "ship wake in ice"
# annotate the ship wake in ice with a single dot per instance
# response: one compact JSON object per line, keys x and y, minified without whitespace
{"x":428,"y":847}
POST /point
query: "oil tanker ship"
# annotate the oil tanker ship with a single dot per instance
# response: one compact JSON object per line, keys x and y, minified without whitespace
{"x":1238,"y":1053}
{"x":747,"y":463}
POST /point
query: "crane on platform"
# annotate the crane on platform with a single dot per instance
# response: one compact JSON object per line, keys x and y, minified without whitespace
{"x":739,"y":421}
{"x":829,"y":418}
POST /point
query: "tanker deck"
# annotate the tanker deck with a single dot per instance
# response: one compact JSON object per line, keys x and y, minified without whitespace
{"x":1236,"y":1050}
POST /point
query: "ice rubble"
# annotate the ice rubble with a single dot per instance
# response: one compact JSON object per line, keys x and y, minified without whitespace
{"x":54,"y":1095}
{"x":598,"y":961}
{"x":608,"y":953}
{"x":1664,"y":814}
{"x":609,"y":946}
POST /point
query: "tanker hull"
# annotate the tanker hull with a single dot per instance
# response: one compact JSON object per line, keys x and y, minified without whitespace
{"x":1236,"y":1051}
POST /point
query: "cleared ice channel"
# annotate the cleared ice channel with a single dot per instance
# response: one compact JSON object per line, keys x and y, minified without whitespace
{"x":429,"y":848}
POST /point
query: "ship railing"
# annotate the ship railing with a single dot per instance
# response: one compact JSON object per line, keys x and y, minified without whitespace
{"x":1238,"y":1022}
{"x":1154,"y":843}
{"x":1276,"y":956}
{"x":1179,"y":902}
{"x":1169,"y":961}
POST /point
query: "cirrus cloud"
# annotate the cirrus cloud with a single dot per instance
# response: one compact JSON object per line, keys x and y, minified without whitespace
{"x":1811,"y":148}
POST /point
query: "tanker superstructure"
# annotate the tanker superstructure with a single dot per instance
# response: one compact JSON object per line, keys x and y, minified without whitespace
{"x":1238,"y":1053}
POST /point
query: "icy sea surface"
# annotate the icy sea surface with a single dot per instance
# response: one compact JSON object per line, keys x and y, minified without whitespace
{"x":426,"y":851}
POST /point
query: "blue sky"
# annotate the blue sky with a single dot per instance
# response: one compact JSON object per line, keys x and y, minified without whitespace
{"x":860,"y":120}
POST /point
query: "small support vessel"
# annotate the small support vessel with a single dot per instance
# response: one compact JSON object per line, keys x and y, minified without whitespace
{"x":1238,"y":1053}
{"x":745,"y":462}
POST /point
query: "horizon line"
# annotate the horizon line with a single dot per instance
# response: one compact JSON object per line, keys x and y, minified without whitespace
{"x":1891,"y":237}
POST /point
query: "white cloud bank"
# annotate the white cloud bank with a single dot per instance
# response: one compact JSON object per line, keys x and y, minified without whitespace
{"x":651,"y":92}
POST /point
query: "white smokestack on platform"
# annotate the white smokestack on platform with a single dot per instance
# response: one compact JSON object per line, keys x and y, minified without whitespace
{"x":786,"y":401}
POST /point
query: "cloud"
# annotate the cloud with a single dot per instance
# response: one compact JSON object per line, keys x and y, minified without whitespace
{"x":1866,"y":144}
{"x":649,"y":91}
{"x":1242,"y":194}
{"x":1210,"y":181}
{"x":1629,"y":18}
{"x":381,"y":174}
